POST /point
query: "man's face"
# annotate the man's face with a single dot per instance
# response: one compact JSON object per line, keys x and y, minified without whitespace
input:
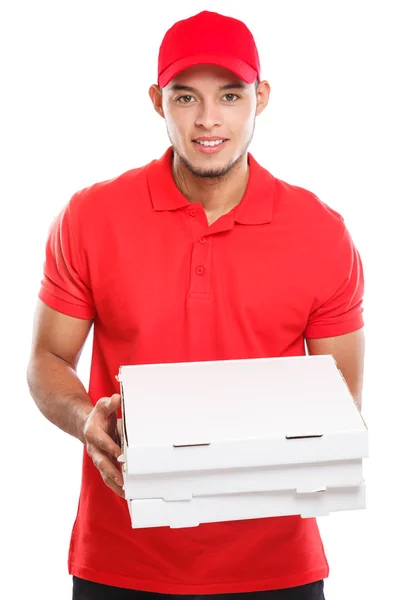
{"x":209,"y":101}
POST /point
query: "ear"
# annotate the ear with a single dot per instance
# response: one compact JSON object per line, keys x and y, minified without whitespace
{"x":263,"y":92}
{"x":155,"y":93}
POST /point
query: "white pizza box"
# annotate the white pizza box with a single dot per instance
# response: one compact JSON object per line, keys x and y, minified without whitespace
{"x":300,"y":477}
{"x":157,"y":512}
{"x":226,"y":427}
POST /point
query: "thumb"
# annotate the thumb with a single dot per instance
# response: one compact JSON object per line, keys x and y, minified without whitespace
{"x":113,"y":403}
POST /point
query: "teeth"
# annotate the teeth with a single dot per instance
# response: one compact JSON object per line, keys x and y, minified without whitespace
{"x":215,"y":143}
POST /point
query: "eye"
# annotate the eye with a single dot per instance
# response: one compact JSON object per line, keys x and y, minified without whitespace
{"x":230,"y":95}
{"x":185,"y":97}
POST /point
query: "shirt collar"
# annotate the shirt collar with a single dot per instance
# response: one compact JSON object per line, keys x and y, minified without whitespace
{"x":255,"y":207}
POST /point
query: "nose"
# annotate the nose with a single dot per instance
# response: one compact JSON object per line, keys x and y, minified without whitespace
{"x":209,"y":116}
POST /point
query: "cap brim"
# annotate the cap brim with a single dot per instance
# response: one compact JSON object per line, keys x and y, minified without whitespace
{"x":237,"y":66}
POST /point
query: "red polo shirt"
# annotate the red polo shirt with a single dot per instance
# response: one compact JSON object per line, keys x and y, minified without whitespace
{"x":162,"y":286}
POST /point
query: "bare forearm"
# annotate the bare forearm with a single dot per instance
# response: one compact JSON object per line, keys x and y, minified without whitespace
{"x":59,"y":393}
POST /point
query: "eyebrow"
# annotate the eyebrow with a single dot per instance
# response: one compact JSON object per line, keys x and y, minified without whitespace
{"x":187,"y":88}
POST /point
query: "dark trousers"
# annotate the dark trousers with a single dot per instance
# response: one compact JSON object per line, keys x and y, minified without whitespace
{"x":87,"y":590}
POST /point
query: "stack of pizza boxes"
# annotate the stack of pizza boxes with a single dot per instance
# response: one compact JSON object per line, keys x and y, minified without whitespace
{"x":239,"y":439}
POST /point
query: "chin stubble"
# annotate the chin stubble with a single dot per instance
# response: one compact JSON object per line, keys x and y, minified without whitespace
{"x":215,"y":173}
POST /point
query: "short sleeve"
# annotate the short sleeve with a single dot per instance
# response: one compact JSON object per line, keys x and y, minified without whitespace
{"x":338,"y":305}
{"x":65,"y":286}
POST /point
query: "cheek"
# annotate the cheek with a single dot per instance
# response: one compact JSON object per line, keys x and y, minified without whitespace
{"x":238,"y":132}
{"x":178,"y":128}
{"x":240,"y":121}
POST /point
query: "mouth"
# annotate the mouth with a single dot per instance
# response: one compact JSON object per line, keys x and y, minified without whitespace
{"x":210,"y":147}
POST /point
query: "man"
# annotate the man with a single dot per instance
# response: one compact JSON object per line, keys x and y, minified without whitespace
{"x":199,"y":255}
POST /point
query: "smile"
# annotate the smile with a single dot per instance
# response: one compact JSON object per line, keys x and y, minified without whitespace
{"x":210,"y":144}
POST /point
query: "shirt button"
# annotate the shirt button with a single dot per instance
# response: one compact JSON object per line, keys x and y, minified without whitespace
{"x":200,"y":270}
{"x":192,"y":212}
{"x":202,"y":240}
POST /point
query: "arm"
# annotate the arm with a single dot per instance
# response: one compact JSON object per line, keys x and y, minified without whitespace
{"x":335,"y":323}
{"x":348,"y":351}
{"x":57,"y":344}
{"x":64,"y":316}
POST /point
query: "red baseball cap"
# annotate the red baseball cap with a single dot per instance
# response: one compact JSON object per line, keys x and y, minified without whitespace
{"x":212,"y":39}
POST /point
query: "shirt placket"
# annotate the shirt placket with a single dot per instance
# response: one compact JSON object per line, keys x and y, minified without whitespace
{"x":200,"y":267}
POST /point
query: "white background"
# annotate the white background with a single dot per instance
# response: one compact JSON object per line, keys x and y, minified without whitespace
{"x":75,"y":110}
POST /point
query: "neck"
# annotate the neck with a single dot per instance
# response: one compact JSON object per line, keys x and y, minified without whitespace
{"x":218,"y":195}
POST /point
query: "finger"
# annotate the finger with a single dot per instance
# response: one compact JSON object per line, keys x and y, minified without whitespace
{"x":109,"y":405}
{"x":118,"y":434}
{"x":107,"y":468}
{"x":96,"y":436}
{"x":116,"y":488}
{"x":119,"y":428}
